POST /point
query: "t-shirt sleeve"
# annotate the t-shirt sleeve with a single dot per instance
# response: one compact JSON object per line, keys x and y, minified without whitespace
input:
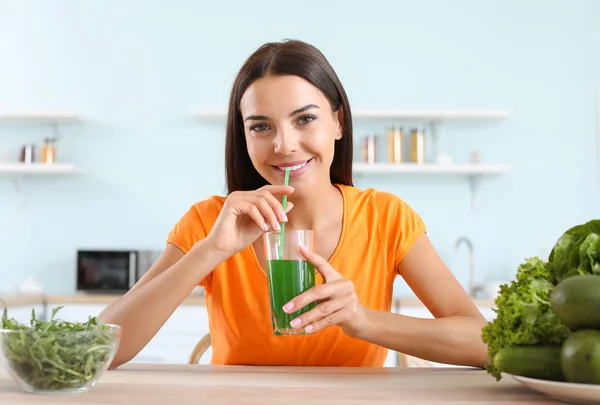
{"x":193,"y":226}
{"x":401,"y":224}
{"x":188,"y":230}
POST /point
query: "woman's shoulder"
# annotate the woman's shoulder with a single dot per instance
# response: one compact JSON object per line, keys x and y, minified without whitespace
{"x":205,"y":211}
{"x":196,"y":222}
{"x":398,"y":224}
{"x":210,"y":205}
{"x":371,"y":200}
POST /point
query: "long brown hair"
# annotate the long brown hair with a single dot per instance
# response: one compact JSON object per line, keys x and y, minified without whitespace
{"x":289,"y":57}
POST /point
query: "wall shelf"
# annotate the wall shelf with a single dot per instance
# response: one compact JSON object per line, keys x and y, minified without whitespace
{"x":473,"y":172}
{"x":210,"y":115}
{"x":53,"y":119}
{"x":36,"y":168}
{"x":39,"y":117}
{"x":432,"y":116}
{"x":449,"y":169}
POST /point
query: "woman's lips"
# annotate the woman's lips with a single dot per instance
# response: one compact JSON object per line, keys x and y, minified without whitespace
{"x":296,"y":168}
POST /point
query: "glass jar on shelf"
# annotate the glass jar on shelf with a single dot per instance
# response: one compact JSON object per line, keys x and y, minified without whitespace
{"x":48,"y":151}
{"x":417,"y":145}
{"x":395,"y":145}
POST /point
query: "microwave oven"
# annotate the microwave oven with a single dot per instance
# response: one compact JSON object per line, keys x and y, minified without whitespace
{"x":112,"y":271}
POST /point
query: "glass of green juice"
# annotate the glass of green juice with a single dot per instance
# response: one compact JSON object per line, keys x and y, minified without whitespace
{"x":288,"y":274}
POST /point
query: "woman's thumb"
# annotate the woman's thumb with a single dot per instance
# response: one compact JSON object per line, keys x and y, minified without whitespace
{"x":289,"y":206}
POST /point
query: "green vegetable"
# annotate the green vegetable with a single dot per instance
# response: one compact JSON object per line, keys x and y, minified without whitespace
{"x":577,"y":251}
{"x":56,"y":355}
{"x":580,"y":357}
{"x":530,"y":361}
{"x":576,"y":301}
{"x":524,"y":316}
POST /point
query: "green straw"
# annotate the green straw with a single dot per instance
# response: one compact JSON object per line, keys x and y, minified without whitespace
{"x":285,"y":183}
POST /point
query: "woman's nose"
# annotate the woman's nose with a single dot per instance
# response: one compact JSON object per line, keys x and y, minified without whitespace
{"x":285,"y":142}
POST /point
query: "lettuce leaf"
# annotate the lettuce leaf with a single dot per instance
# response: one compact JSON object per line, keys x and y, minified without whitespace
{"x":577,"y":251}
{"x":524,"y":316}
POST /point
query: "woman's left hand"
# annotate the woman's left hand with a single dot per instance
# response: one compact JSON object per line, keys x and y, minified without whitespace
{"x":338,"y":301}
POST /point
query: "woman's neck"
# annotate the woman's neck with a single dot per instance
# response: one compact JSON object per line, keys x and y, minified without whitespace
{"x":316,"y":209}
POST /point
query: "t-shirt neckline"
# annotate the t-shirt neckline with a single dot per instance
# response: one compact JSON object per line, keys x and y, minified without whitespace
{"x":256,"y":265}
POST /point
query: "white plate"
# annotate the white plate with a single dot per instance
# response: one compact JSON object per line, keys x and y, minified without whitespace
{"x":570,"y":392}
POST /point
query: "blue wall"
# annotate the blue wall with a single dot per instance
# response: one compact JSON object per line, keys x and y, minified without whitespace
{"x":134,"y":70}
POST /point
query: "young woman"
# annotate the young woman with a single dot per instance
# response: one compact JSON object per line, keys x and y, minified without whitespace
{"x":288,"y":108}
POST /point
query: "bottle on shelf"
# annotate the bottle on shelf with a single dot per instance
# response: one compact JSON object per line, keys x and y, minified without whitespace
{"x":48,"y":151}
{"x":417,"y":145}
{"x":27,"y":154}
{"x":395,"y":145}
{"x":369,"y":151}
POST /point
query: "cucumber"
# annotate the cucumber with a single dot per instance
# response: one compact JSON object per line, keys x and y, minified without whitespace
{"x":576,"y":302}
{"x":580,"y":357}
{"x":535,"y":361}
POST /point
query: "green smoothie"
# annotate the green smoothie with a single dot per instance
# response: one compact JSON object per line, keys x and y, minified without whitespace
{"x":288,"y":279}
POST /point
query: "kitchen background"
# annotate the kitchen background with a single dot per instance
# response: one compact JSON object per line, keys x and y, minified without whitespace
{"x":134,"y":71}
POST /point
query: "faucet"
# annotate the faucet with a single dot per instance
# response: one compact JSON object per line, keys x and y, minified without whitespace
{"x":474,"y":288}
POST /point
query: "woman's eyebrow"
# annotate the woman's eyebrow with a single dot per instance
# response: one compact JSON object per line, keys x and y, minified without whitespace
{"x":256,"y":118}
{"x":264,"y":117}
{"x":302,"y":109}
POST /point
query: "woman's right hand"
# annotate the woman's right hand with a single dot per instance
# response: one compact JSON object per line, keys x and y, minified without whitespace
{"x":246,"y":215}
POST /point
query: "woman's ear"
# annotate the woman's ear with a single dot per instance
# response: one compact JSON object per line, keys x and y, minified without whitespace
{"x":340,"y":118}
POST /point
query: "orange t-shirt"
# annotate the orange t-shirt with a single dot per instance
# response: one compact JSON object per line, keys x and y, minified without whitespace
{"x":378,"y":230}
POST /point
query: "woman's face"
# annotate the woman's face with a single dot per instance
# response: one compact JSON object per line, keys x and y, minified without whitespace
{"x":288,"y":122}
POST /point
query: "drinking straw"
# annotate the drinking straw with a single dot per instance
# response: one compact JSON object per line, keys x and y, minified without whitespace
{"x":285,"y":183}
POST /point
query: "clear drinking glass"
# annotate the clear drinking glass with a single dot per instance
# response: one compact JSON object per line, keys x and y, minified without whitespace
{"x":288,"y":274}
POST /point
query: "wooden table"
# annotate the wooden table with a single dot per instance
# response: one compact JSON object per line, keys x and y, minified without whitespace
{"x":149,"y":384}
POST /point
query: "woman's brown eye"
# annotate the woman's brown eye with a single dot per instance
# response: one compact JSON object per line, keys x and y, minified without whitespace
{"x":259,"y":127}
{"x":305,"y":119}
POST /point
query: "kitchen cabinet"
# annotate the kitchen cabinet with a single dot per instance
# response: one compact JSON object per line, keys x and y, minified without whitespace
{"x":172,"y":344}
{"x":178,"y":337}
{"x":423,"y":312}
{"x":23,"y":314}
{"x":75,"y":312}
{"x":392,"y":356}
{"x":175,"y":341}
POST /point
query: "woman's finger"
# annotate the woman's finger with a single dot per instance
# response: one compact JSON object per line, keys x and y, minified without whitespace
{"x":329,"y":273}
{"x":289,"y":206}
{"x":275,"y":205}
{"x":342,"y":316}
{"x":253,"y":212}
{"x":267,"y":212}
{"x":323,"y":310}
{"x":278,"y":189}
{"x":317,"y":293}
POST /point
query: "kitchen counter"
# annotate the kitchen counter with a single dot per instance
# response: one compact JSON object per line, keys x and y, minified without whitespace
{"x":77,"y":298}
{"x":106,"y":299}
{"x":192,"y":384}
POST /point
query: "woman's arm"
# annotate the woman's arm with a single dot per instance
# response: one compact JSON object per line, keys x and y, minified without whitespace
{"x":452,"y":340}
{"x":454,"y":337}
{"x":147,"y":306}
